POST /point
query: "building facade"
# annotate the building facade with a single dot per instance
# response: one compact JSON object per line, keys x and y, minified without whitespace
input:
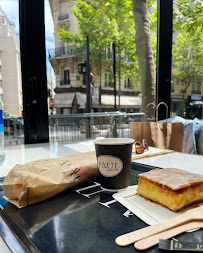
{"x":10,"y":68}
{"x":71,"y":86}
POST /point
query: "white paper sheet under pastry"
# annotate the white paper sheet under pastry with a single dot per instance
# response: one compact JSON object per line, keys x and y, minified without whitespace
{"x":150,"y":213}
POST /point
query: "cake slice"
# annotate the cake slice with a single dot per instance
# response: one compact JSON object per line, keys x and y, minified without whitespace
{"x":172,"y":188}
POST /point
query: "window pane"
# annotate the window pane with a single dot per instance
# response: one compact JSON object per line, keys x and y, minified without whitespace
{"x":10,"y":68}
{"x":66,"y":48}
{"x":110,"y":21}
{"x":66,"y":77}
{"x":187,"y":59}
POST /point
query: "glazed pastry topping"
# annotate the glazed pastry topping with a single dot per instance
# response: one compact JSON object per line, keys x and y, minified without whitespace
{"x":174,"y":179}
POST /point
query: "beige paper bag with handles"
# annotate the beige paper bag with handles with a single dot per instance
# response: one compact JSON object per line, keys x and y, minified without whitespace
{"x":165,"y":135}
{"x":41,"y":179}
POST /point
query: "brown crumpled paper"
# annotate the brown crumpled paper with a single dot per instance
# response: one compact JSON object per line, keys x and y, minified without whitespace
{"x":41,"y":179}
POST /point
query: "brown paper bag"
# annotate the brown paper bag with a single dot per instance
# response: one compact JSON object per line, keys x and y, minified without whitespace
{"x":159,"y":135}
{"x":164,"y":135}
{"x":39,"y":180}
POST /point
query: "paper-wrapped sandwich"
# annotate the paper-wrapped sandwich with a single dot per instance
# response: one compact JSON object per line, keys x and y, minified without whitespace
{"x":39,"y":180}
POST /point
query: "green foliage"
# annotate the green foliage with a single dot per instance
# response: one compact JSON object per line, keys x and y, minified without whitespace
{"x":188,"y":48}
{"x":150,"y":3}
{"x":188,"y":58}
{"x":153,"y":28}
{"x":104,"y":22}
{"x":188,"y":15}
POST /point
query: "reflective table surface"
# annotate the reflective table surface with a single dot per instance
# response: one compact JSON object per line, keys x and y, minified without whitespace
{"x":84,"y":219}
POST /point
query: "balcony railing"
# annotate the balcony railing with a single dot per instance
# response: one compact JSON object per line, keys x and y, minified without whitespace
{"x":65,"y":51}
{"x":63,"y":17}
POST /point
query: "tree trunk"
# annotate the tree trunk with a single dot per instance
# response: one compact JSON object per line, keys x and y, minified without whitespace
{"x":144,"y":53}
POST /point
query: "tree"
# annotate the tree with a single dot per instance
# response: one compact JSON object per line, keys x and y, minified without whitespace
{"x":187,"y":54}
{"x":188,"y":61}
{"x":188,"y":58}
{"x":144,"y":52}
{"x":188,"y":47}
{"x":188,"y":15}
{"x":104,"y":22}
{"x":116,"y":20}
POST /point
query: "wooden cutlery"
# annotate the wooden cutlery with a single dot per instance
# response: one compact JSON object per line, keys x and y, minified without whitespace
{"x":194,"y":214}
{"x":154,"y":239}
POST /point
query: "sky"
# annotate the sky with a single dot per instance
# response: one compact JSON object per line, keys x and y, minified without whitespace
{"x":11,"y":9}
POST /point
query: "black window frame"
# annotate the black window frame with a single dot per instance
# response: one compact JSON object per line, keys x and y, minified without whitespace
{"x":34,"y":77}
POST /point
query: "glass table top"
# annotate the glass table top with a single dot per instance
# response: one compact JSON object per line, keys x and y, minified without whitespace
{"x":84,"y":219}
